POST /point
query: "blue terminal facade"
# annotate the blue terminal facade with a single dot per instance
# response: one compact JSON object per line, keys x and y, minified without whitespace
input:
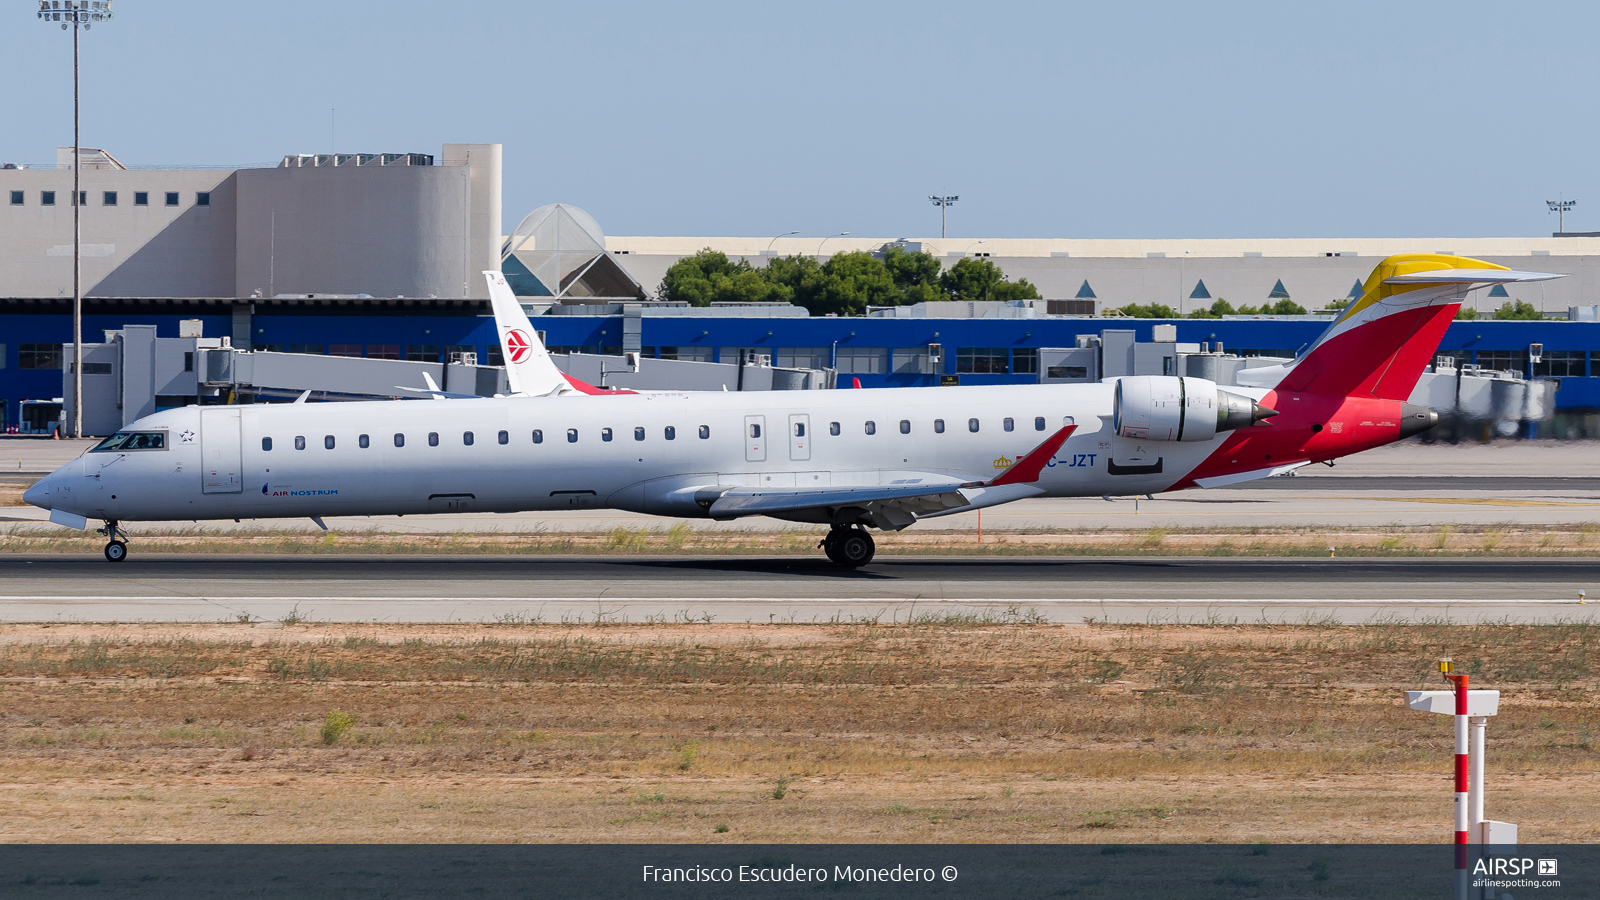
{"x":860,"y":348}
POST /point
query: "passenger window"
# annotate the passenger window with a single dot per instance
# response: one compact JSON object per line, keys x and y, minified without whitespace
{"x":1066,"y":420}
{"x":638,"y":434}
{"x":433,"y":439}
{"x":572,"y":435}
{"x":605,"y":434}
{"x":266,"y":443}
{"x":705,"y":432}
{"x":504,"y":437}
{"x":399,"y":439}
{"x":799,"y":429}
{"x":364,"y":441}
{"x":538,"y":436}
{"x":905,"y":426}
{"x":938,"y":426}
{"x":671,"y":433}
{"x":872,"y":427}
{"x":972,"y":425}
{"x":833,"y":428}
{"x":1009,"y":424}
{"x":300,"y":442}
{"x":466,"y":438}
{"x":755,"y":430}
{"x":327,"y":442}
{"x":1038,"y":423}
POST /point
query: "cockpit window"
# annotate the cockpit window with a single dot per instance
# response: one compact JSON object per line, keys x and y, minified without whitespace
{"x":133,"y":440}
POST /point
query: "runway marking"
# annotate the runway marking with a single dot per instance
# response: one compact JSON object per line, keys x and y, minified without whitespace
{"x":125,"y":599}
{"x":1468,"y":501}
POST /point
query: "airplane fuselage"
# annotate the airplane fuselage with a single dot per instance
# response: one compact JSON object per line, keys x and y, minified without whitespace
{"x":643,"y":452}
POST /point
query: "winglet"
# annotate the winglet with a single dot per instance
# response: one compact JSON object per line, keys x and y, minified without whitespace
{"x":1027,"y":469}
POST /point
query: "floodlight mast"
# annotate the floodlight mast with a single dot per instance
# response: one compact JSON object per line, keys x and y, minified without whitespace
{"x":1560,"y":207}
{"x":944,"y":203}
{"x":76,"y":13}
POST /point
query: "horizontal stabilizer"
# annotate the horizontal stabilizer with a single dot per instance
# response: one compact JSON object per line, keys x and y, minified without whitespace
{"x":1469,"y":276}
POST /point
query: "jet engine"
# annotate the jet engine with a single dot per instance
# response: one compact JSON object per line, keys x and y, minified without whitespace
{"x":1170,"y":408}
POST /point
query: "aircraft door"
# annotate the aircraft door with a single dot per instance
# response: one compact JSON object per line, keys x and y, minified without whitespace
{"x":799,"y":437}
{"x":220,"y":452}
{"x":755,"y":439}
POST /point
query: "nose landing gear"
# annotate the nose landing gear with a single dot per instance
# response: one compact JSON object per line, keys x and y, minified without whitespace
{"x":117,"y":547}
{"x":850,"y":547}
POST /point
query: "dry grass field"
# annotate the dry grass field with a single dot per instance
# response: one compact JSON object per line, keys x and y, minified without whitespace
{"x":683,"y":538}
{"x":941,"y":731}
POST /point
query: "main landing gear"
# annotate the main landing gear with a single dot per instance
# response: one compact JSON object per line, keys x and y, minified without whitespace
{"x":117,"y":547}
{"x":850,"y":546}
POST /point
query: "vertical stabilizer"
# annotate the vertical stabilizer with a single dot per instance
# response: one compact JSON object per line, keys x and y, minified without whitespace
{"x":529,"y":369}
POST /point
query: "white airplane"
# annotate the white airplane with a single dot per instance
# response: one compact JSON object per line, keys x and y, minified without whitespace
{"x":851,"y":460}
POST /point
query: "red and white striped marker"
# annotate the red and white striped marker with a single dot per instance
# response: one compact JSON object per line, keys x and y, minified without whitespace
{"x":1446,"y":668}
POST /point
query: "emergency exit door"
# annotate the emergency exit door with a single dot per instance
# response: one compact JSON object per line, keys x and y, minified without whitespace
{"x":755,"y":438}
{"x":220,"y":452}
{"x":799,"y":437}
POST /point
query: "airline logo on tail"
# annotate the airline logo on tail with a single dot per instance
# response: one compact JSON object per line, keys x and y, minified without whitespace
{"x":516,"y":345}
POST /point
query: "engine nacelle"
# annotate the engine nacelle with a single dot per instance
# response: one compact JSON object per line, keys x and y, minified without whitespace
{"x":1172,"y":408}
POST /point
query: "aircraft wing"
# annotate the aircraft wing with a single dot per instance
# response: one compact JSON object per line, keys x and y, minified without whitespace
{"x":935,"y":492}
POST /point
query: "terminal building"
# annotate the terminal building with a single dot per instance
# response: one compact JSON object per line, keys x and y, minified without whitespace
{"x":376,"y":256}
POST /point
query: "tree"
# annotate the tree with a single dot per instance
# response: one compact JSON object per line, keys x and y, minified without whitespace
{"x":1152,"y":311}
{"x":1021,"y":289}
{"x":798,"y":278}
{"x":1284,"y":307}
{"x":851,"y":282}
{"x":1219,"y":308}
{"x":980,"y":279}
{"x":1466,"y":313}
{"x":1517,"y":309}
{"x":710,"y":277}
{"x":916,"y":275}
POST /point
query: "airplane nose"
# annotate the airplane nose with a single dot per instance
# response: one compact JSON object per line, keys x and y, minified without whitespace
{"x":35,"y":496}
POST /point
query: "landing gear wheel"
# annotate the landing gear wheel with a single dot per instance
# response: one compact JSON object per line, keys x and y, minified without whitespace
{"x":852,"y":547}
{"x":830,"y":546}
{"x":116,"y":551}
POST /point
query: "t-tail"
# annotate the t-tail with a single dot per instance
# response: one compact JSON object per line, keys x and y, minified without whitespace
{"x":1347,"y":393}
{"x":1380,"y":344}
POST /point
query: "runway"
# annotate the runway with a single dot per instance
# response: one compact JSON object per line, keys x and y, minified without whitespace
{"x":1066,"y":590}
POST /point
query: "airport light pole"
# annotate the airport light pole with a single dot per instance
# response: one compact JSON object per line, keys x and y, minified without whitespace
{"x":775,"y":239}
{"x":827,"y":239}
{"x":77,"y":14}
{"x":944,"y":204}
{"x":1560,"y":207}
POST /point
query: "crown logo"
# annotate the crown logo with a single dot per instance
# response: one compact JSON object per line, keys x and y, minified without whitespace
{"x":1002,"y":463}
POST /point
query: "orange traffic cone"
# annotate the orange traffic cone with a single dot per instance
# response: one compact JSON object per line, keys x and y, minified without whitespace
{"x":55,"y":435}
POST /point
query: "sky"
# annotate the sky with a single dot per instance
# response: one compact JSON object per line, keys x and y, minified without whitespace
{"x":1050,"y":120}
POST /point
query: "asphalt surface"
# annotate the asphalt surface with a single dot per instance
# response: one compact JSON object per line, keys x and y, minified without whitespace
{"x":745,"y":589}
{"x":1425,"y":483}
